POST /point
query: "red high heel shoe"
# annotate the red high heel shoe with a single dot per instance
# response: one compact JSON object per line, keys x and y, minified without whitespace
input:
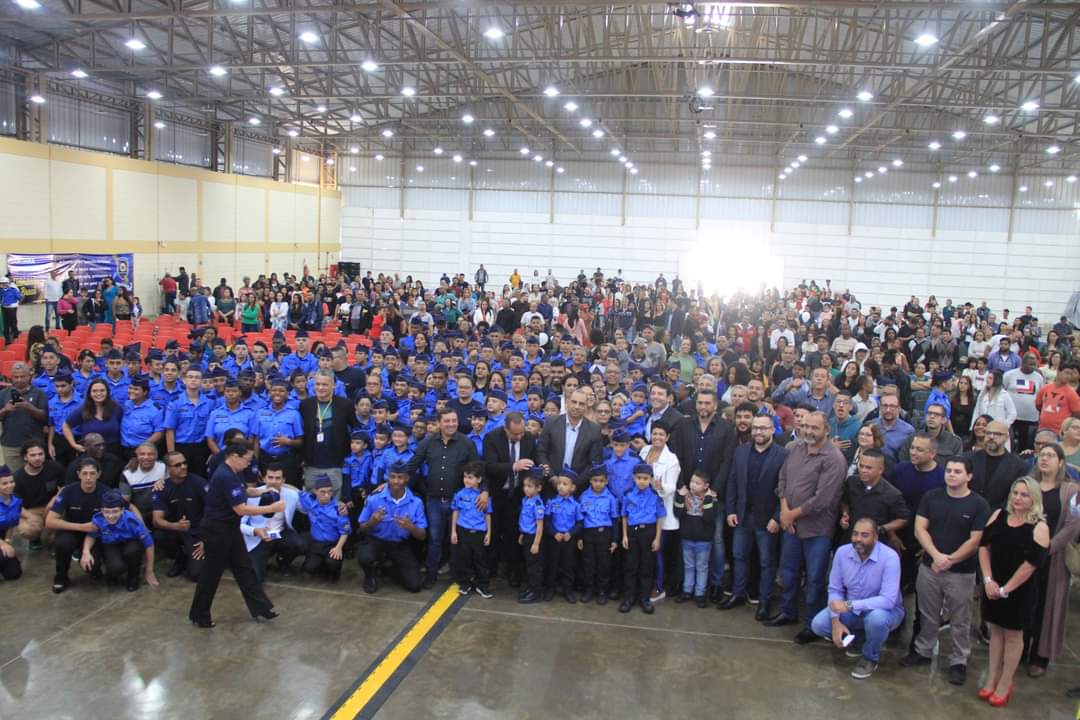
{"x":998,"y":701}
{"x":985,"y":693}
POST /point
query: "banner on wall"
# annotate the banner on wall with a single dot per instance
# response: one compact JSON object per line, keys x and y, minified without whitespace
{"x":29,"y":272}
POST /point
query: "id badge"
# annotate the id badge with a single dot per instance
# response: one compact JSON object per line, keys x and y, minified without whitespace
{"x":319,"y":438}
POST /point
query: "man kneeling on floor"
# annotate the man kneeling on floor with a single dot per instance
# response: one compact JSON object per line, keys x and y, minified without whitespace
{"x":329,"y":530}
{"x":864,"y":598}
{"x":390,"y":518}
{"x":126,"y":540}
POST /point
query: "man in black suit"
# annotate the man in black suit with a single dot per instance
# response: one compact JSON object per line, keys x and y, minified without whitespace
{"x":587,"y":442}
{"x":681,"y":439}
{"x":325,"y":419}
{"x":995,"y":468}
{"x":509,"y":452}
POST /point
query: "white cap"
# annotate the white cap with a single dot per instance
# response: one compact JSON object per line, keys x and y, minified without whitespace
{"x":5,"y":280}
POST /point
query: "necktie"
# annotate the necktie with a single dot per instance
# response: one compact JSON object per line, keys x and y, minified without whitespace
{"x":512,"y":482}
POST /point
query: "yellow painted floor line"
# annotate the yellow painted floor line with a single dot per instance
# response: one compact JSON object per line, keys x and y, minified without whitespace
{"x":392,"y":661}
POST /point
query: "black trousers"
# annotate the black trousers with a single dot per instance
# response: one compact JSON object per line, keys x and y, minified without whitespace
{"x":1024,"y":434}
{"x":11,"y":323}
{"x":178,"y":546}
{"x":597,"y":558}
{"x":123,"y":558}
{"x":504,"y":546}
{"x":67,"y":542}
{"x":469,"y":559}
{"x":286,"y":549}
{"x":10,"y":568}
{"x":560,"y":562}
{"x":372,"y":551}
{"x":534,"y":564}
{"x":317,"y":557}
{"x":224,"y":548}
{"x":640,"y":561}
{"x":197,"y":455}
{"x":64,"y":452}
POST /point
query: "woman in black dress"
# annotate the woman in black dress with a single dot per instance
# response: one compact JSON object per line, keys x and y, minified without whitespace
{"x":1014,"y":545}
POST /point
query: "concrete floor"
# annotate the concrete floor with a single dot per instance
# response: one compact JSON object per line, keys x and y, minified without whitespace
{"x":98,"y":652}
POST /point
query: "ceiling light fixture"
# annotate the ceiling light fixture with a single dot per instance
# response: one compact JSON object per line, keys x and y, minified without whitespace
{"x":1070,"y":179}
{"x":845,"y":113}
{"x":388,"y":133}
{"x":355,"y":150}
{"x":457,"y":158}
{"x":438,"y":151}
{"x":1053,"y":150}
{"x":37,"y":99}
{"x":309,"y":37}
{"x":379,"y":157}
{"x":467,"y":119}
{"x":953,"y":178}
{"x":538,"y":158}
{"x":159,"y":125}
{"x":488,"y":132}
{"x":28,"y":4}
{"x":473,"y":163}
{"x":897,"y":162}
{"x":1048,"y":183}
{"x":551,"y":91}
{"x":994,"y":168}
{"x":369,"y":66}
{"x":926,"y":40}
{"x":408,"y":91}
{"x":865,"y":96}
{"x":320,"y":109}
{"x":935,"y":185}
{"x":585,"y":122}
{"x":79,"y":73}
{"x":934,"y":145}
{"x":560,"y":170}
{"x":705,"y":92}
{"x":1023,"y":188}
{"x":991,"y":119}
{"x":524,"y":151}
{"x":959,"y":135}
{"x":293,"y":133}
{"x":802,"y":158}
{"x":570,"y":106}
{"x":494,"y":33}
{"x":218,"y":71}
{"x":136,"y":44}
{"x":419,"y":168}
{"x":972,"y":174}
{"x":820,"y":140}
{"x":549,"y":163}
{"x":277,"y":91}
{"x":831,"y":129}
{"x":598,"y":133}
{"x":355,"y":117}
{"x":154,"y":95}
{"x":254,"y":121}
{"x":710,"y":135}
{"x":1030,"y":106}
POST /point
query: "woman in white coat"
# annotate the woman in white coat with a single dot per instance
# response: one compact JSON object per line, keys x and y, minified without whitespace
{"x":666,"y":471}
{"x":995,"y":401}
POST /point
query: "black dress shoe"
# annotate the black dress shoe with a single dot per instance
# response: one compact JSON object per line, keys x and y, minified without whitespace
{"x":700,"y":600}
{"x":957,"y":674}
{"x":779,"y":620}
{"x":204,"y":624}
{"x":60,"y":584}
{"x":647,"y":607}
{"x":370,"y":585}
{"x":587,"y":596}
{"x":429,"y":581}
{"x":683,"y":597}
{"x":762,"y":613}
{"x":175,"y":570}
{"x":529,"y":597}
{"x":602,"y":599}
{"x":571,"y":597}
{"x":549,"y":593}
{"x":733,"y":601}
{"x":627,"y":605}
{"x":268,"y":615}
{"x":805,"y":636}
{"x":133,"y":585}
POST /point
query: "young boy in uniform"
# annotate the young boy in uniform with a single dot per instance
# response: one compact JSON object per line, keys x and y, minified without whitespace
{"x":125,"y":540}
{"x":642,"y":507}
{"x":329,"y":530}
{"x":600,"y":520}
{"x":562,"y":530}
{"x":530,"y":531}
{"x":470,"y":534}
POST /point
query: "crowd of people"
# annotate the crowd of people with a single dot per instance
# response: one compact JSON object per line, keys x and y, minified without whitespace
{"x":602,"y":441}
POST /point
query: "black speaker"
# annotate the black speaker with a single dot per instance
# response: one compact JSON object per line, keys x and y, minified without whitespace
{"x":352,"y":269}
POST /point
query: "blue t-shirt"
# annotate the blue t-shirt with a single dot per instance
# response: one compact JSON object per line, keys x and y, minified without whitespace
{"x":532,"y":509}
{"x":469,"y":517}
{"x":126,"y":528}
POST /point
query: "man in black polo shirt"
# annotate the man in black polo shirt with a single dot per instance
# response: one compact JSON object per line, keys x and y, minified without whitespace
{"x":949,"y":525}
{"x":870,"y":495}
{"x":177,"y":510}
{"x":36,"y":483}
{"x":70,"y":518}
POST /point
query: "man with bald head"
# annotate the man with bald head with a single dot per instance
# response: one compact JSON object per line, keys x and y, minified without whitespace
{"x":995,"y":468}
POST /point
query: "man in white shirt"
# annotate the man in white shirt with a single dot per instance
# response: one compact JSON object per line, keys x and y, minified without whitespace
{"x":1023,"y":384}
{"x":54,"y":290}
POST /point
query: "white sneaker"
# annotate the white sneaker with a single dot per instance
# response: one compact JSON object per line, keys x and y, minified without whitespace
{"x":486,"y":594}
{"x":657,"y":596}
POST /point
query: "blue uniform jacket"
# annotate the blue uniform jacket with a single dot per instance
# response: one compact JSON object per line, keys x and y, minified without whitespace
{"x":126,"y":528}
{"x":327,"y":524}
{"x":565,"y":515}
{"x":387,"y":529}
{"x":464,"y":503}
{"x":532,"y":510}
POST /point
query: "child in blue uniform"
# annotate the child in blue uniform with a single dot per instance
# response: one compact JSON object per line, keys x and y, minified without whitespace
{"x":636,"y":412}
{"x":470,"y":534}
{"x":329,"y":530}
{"x":530,"y":531}
{"x":356,"y":470}
{"x":11,"y":510}
{"x":561,"y":533}
{"x":125,"y":540}
{"x":600,"y":537}
{"x":641,"y":508}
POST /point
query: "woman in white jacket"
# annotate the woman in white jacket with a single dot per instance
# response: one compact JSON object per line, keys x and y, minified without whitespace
{"x":484,"y":313}
{"x":666,"y":471}
{"x":995,"y":401}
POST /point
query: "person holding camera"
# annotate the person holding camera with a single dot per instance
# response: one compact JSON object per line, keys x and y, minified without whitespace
{"x":24,"y":412}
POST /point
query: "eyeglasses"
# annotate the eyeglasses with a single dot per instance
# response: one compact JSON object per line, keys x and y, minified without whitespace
{"x":182,"y":463}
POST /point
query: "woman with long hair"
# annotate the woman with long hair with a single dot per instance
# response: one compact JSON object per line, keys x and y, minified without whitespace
{"x":977,"y":440}
{"x":849,"y":377}
{"x":1053,"y":365}
{"x":483,"y":313}
{"x":296,"y":311}
{"x":34,"y":336}
{"x":109,"y":292}
{"x":121,"y":305}
{"x":1046,"y":638}
{"x":225,"y":312}
{"x":279,"y":313}
{"x":962,"y":402}
{"x":869,"y":437}
{"x":995,"y":401}
{"x":1014,"y":544}
{"x":99,"y":414}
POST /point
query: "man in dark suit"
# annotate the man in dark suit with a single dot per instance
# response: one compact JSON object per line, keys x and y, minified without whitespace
{"x":995,"y":468}
{"x":753,"y":510}
{"x":509,"y":452}
{"x":681,"y":439}
{"x":583,"y":434}
{"x":325,"y":418}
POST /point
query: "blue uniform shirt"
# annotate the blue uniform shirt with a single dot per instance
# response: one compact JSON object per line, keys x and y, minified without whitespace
{"x":59,"y":410}
{"x":222,"y":419}
{"x":139,"y":423}
{"x":408,"y":505}
{"x":635,"y":426}
{"x":126,"y":528}
{"x":327,"y":525}
{"x":163,"y":396}
{"x":45,"y":383}
{"x":532,"y":509}
{"x":81,"y":382}
{"x":642,"y":507}
{"x":565,"y":513}
{"x":621,"y":473}
{"x":387,"y":457}
{"x":477,"y":439}
{"x":9,"y":513}
{"x":469,"y":518}
{"x":307,"y":364}
{"x":117,"y":388}
{"x":599,"y":510}
{"x":188,"y":420}
{"x":269,"y":423}
{"x":517,"y":405}
{"x":357,"y":470}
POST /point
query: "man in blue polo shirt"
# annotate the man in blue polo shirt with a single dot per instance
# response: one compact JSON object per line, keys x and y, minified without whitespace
{"x":390,"y":519}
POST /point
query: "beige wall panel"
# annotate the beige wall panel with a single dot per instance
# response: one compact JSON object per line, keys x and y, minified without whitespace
{"x":178,"y":211}
{"x":251,"y":209}
{"x":219,"y":219}
{"x":135,"y":206}
{"x":282,"y":216}
{"x":24,"y":197}
{"x":78,"y":207}
{"x":307,"y":218}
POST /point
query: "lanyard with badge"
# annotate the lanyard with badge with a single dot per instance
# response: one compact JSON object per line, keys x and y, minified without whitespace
{"x":323,"y":414}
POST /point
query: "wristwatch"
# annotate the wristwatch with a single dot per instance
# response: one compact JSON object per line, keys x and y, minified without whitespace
{"x":1002,"y":593}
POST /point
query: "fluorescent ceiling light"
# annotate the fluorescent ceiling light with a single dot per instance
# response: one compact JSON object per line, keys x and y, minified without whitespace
{"x":408,"y":91}
{"x":1030,"y":106}
{"x":369,"y":66}
{"x":570,"y":106}
{"x":277,"y":91}
{"x":959,"y":135}
{"x":254,"y":121}
{"x":136,"y":44}
{"x":710,"y":135}
{"x":934,"y":145}
{"x":598,"y":133}
{"x":388,"y":133}
{"x":820,"y":140}
{"x":585,"y":122}
{"x":78,"y":73}
{"x":37,"y":99}
{"x":154,"y":95}
{"x":865,"y":96}
{"x":551,"y":91}
{"x":218,"y":71}
{"x":705,"y":92}
{"x":293,"y":133}
{"x":467,"y":119}
{"x":926,"y":40}
{"x":309,"y":37}
{"x":991,"y":119}
{"x":488,"y":132}
{"x":494,"y":33}
{"x":438,"y":151}
{"x":845,"y":113}
{"x":831,"y":129}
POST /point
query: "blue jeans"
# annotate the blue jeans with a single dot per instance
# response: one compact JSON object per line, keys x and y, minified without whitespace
{"x":438,"y":519}
{"x":768,"y":547}
{"x":796,"y":554}
{"x":695,"y":558}
{"x":51,"y":309}
{"x":719,"y":555}
{"x":874,"y":626}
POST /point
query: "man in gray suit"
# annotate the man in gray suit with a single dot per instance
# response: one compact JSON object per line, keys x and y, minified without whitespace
{"x":572,"y":441}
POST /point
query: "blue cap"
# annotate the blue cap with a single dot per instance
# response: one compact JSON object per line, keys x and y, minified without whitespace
{"x":112,"y":499}
{"x":643,"y":469}
{"x":301,"y":334}
{"x":532,"y":340}
{"x":382,"y":429}
{"x":323,"y":481}
{"x":155,"y":354}
{"x":231,"y":383}
{"x":360,"y":435}
{"x":219,"y":372}
{"x":535,"y":390}
{"x":219,"y":342}
{"x":599,"y":469}
{"x":278,"y":335}
{"x":399,"y":468}
{"x":497,"y":394}
{"x":943,"y":375}
{"x":567,"y":472}
{"x":380,"y":405}
{"x":279,"y":381}
{"x":172,"y":345}
{"x":620,"y":436}
{"x":4,"y":471}
{"x":238,"y":342}
{"x":325,"y":354}
{"x":439,"y":369}
{"x":519,"y":373}
{"x":639,"y":387}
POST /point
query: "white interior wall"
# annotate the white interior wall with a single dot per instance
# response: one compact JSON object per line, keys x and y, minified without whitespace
{"x":886,"y":238}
